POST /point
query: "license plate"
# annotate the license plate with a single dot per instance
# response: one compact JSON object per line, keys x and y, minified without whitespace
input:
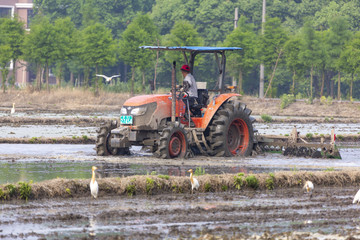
{"x":126,"y":119}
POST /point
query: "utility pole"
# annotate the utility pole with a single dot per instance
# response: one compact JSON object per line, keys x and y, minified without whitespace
{"x":262,"y":69}
{"x":236,"y":18}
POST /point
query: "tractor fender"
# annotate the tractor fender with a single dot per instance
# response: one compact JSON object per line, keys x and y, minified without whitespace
{"x":214,"y":105}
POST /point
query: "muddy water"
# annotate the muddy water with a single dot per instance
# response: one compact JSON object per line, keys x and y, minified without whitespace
{"x":50,"y":131}
{"x":314,"y":128}
{"x":37,"y":162}
{"x":328,"y":213}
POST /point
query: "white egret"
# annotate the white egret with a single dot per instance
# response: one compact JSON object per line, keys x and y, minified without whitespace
{"x":12,"y":109}
{"x":357,"y":198}
{"x":309,"y":186}
{"x":194,"y":182}
{"x":94,"y":187}
{"x":108,"y":79}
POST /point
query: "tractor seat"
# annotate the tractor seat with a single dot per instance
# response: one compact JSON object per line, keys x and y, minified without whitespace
{"x":201,"y":102}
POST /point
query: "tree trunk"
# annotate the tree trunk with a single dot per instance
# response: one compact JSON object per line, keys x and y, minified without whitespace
{"x":311,"y":81}
{"x":156,"y":64}
{"x":143,"y":81}
{"x":322,"y":83}
{"x":293,"y":83}
{"x":4,"y":74}
{"x":47,"y":76}
{"x":240,"y":81}
{"x":332,"y":88}
{"x":72,"y":79}
{"x":273,"y":73}
{"x":339,"y":92}
{"x":38,"y":77}
{"x":351,"y":86}
{"x":96,"y":82}
{"x":132,"y":81}
{"x":14,"y":74}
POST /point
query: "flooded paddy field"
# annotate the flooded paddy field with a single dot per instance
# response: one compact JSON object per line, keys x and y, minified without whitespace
{"x":278,"y":214}
{"x":38,"y":162}
{"x":283,"y":213}
{"x":73,"y":130}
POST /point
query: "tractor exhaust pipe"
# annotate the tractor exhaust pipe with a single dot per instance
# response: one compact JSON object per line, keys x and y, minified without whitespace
{"x":173,"y":92}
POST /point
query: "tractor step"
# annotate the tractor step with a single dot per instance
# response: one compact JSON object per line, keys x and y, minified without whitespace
{"x":200,"y":142}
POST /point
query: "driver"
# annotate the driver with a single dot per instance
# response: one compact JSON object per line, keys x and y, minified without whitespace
{"x":189,"y":86}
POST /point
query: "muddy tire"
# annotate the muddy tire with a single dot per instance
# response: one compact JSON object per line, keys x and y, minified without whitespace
{"x":173,"y":142}
{"x":104,"y":136}
{"x":230,"y":132}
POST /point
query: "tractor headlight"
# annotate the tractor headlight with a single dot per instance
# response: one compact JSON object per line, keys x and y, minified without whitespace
{"x":138,"y":111}
{"x":123,"y":111}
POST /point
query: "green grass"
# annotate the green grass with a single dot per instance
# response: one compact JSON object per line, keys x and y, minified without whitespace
{"x":266,"y":118}
{"x":252,"y":181}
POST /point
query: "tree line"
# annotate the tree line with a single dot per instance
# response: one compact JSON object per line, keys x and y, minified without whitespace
{"x":309,"y":48}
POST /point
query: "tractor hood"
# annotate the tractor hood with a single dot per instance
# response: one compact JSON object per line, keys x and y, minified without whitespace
{"x":146,"y":99}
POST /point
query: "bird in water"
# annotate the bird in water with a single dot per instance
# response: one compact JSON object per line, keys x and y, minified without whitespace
{"x":309,"y":186}
{"x":194,"y":182}
{"x":357,"y":198}
{"x":94,"y":187}
{"x":108,"y":79}
{"x":12,"y":109}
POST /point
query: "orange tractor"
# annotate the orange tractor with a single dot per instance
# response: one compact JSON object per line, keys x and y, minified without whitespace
{"x":220,"y":126}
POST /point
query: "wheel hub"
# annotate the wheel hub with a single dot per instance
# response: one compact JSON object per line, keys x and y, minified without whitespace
{"x":237,"y":137}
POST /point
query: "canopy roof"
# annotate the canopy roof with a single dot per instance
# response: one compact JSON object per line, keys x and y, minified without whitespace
{"x":192,"y":48}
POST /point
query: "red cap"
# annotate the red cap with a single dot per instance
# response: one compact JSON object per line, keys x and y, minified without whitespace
{"x":185,"y":68}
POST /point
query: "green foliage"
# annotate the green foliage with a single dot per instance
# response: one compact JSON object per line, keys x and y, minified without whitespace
{"x":68,"y":191}
{"x":11,"y":189}
{"x":238,"y":181}
{"x":164,"y":177}
{"x":309,"y":135}
{"x":329,"y":169}
{"x":224,"y":188}
{"x":130,"y":189}
{"x":84,"y":137}
{"x":153,"y":173}
{"x":199,"y":171}
{"x":269,"y":182}
{"x":33,"y":140}
{"x":24,"y":190}
{"x":252,"y":181}
{"x":2,"y":194}
{"x":208,"y":187}
{"x":339,"y":137}
{"x":150,"y":184}
{"x":286,"y":100}
{"x":266,"y":118}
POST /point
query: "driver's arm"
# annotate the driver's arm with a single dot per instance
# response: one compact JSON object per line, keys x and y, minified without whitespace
{"x":186,"y":86}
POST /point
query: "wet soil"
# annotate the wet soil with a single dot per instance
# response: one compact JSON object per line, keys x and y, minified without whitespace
{"x":281,"y":214}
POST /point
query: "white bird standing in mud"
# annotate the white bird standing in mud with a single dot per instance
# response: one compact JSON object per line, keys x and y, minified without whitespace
{"x":357,"y":198}
{"x":94,"y":187}
{"x":194,"y":182}
{"x":12,"y":109}
{"x":309,"y":186}
{"x":108,"y":79}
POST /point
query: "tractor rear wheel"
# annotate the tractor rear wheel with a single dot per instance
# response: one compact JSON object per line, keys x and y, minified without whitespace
{"x":103,"y":147}
{"x":173,"y":142}
{"x":230,"y":131}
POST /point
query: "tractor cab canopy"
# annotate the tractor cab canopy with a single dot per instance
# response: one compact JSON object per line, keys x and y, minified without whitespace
{"x":193,"y":50}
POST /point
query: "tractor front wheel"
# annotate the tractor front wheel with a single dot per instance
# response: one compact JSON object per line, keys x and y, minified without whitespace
{"x":103,"y":147}
{"x":173,"y":142}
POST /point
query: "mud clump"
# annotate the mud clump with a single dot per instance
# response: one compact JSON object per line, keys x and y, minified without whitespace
{"x":155,"y":185}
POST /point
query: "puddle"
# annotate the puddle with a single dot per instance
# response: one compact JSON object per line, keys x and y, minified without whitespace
{"x":48,"y":131}
{"x":38,"y":162}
